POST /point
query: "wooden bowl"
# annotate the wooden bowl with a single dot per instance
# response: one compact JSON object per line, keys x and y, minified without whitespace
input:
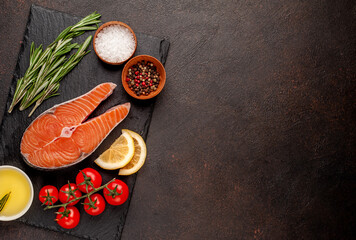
{"x":160,"y":69}
{"x":109,"y":24}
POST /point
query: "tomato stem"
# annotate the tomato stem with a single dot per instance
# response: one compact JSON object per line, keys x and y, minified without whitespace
{"x":78,"y":198}
{"x":70,"y":192}
{"x":91,"y":204}
{"x":87,"y":181}
{"x":113,"y":193}
{"x":48,"y":199}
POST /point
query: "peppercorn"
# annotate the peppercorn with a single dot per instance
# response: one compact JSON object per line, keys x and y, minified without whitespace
{"x":143,"y":78}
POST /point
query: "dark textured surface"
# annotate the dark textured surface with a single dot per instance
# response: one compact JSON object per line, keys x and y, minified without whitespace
{"x":253,"y":136}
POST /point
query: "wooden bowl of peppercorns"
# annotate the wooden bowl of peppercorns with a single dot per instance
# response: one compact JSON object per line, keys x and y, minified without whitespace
{"x":143,"y":77}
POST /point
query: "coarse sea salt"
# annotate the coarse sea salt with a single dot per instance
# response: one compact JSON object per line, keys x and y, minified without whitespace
{"x":115,"y":43}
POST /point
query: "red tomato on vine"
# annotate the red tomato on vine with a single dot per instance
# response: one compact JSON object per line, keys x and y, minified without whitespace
{"x":116,"y":193}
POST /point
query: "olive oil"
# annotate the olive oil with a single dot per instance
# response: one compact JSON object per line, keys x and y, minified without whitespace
{"x":16,"y":183}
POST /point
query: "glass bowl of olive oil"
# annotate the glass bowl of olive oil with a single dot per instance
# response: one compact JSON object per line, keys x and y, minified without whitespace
{"x":16,"y":193}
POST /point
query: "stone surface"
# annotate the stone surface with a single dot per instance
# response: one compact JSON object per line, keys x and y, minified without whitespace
{"x":253,"y":136}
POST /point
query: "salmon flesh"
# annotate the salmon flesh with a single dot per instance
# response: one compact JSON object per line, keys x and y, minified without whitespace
{"x":59,"y":137}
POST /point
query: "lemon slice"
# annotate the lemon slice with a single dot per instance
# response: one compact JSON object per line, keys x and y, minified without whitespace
{"x":139,"y":157}
{"x":119,"y":154}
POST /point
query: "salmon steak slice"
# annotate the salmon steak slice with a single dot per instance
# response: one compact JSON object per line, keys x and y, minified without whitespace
{"x":60,"y":136}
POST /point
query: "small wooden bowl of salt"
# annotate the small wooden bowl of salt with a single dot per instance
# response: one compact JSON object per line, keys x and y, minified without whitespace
{"x":114,"y":42}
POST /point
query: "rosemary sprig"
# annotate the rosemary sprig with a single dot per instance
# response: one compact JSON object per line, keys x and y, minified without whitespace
{"x":4,"y":200}
{"x":48,"y":67}
{"x":49,"y":87}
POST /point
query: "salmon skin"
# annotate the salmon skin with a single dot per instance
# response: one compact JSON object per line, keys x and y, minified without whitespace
{"x":59,"y":137}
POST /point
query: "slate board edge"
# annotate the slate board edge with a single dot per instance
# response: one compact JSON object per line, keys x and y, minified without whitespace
{"x":164,"y":46}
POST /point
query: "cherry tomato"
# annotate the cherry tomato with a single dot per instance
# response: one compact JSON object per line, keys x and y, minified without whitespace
{"x":117,"y":193}
{"x":98,"y":204}
{"x":68,"y":219}
{"x":91,"y":176}
{"x":67,"y":194}
{"x":48,"y":195}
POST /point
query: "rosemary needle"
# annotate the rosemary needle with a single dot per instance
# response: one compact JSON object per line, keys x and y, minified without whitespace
{"x":3,"y":200}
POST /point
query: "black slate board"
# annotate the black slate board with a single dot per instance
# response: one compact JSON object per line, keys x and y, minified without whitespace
{"x":43,"y":26}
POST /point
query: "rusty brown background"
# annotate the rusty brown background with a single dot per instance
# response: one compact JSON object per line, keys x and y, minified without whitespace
{"x":253,"y":136}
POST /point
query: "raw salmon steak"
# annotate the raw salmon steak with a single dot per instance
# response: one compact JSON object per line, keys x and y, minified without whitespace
{"x":59,"y":137}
